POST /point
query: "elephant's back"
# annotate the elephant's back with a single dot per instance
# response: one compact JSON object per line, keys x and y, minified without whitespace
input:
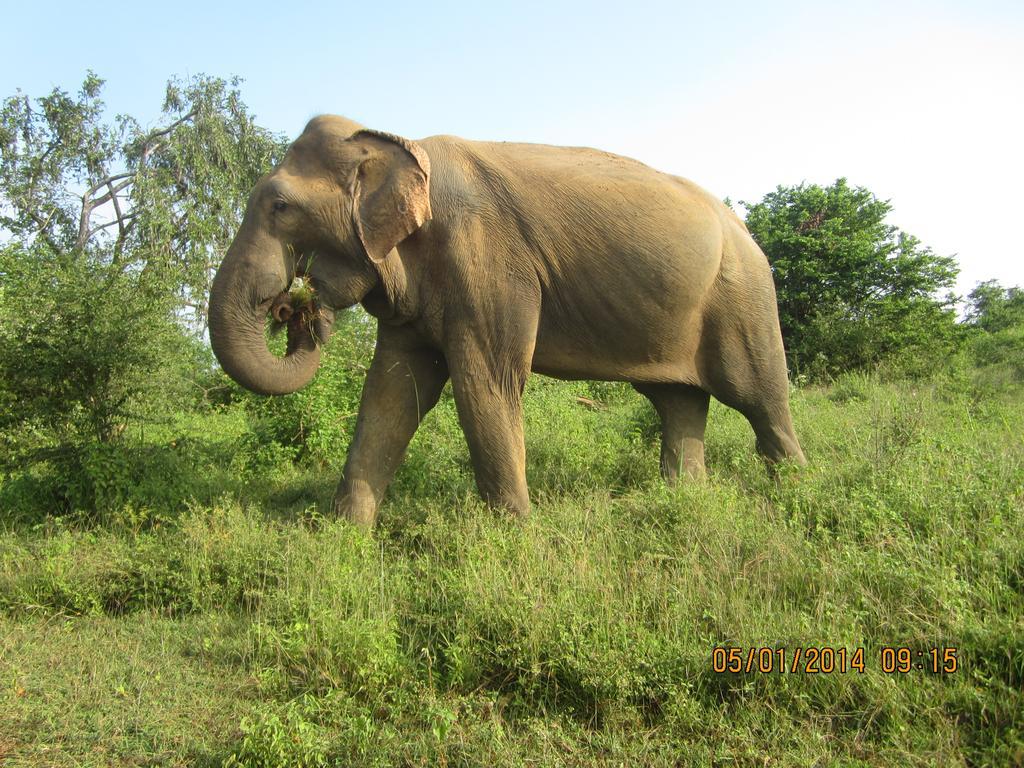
{"x":624,"y":256}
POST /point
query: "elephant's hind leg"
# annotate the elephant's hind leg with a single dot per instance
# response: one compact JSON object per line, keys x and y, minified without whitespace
{"x":776,"y":437}
{"x":684,"y":414}
{"x":767,"y":409}
{"x":744,"y":366}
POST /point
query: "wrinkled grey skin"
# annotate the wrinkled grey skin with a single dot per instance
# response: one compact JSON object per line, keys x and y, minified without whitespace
{"x":484,"y":261}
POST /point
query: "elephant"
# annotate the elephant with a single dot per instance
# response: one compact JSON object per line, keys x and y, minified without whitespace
{"x":484,"y":261}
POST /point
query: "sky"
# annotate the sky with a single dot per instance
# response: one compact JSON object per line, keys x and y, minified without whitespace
{"x":920,"y":102}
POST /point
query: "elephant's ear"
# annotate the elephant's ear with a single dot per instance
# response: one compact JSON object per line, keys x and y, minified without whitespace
{"x":391,"y":191}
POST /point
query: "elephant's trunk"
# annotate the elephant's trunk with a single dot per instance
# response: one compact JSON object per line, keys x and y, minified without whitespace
{"x":247,"y":283}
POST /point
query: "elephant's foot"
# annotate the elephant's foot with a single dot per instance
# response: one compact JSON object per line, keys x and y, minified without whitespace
{"x":689,"y":467}
{"x":694,"y":470}
{"x":356,"y":504}
{"x":519,"y":508}
{"x":776,"y":441}
{"x":692,"y":473}
{"x":515,"y":502}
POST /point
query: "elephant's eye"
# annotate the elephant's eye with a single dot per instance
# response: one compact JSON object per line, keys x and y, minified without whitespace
{"x":279,"y":205}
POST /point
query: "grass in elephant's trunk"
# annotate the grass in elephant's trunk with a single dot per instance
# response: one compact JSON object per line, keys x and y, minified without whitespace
{"x":297,"y":309}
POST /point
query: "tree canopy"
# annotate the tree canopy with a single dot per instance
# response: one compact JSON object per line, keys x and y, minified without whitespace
{"x":993,"y":308}
{"x":853,"y":290}
{"x":76,"y":184}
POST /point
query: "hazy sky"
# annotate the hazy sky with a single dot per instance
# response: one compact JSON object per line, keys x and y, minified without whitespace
{"x":920,"y":102}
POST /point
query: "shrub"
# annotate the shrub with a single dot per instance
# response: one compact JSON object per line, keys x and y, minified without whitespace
{"x":280,"y":736}
{"x":315,"y":424}
{"x":83,"y":349}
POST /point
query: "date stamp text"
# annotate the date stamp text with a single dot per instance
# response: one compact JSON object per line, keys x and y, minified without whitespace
{"x":829,"y":660}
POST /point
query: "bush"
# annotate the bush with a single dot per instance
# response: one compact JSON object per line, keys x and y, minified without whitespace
{"x":996,"y":315}
{"x":83,"y":349}
{"x":909,"y":338}
{"x":1004,"y":348}
{"x":86,"y":350}
{"x":280,"y":736}
{"x":315,"y":424}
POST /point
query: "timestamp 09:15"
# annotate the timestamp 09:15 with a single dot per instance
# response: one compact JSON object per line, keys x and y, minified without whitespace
{"x":829,"y":660}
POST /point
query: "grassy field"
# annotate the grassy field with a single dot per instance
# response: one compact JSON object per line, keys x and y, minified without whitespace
{"x":243,"y":627}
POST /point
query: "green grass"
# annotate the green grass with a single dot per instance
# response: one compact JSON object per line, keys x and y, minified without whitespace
{"x":234,"y":624}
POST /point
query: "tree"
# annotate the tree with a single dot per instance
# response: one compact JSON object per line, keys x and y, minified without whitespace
{"x":853,"y":290}
{"x":110,"y":234}
{"x":996,"y":315}
{"x":993,"y":308}
{"x":167,"y":199}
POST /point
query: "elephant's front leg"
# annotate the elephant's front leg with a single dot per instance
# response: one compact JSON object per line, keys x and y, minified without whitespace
{"x":403,"y":384}
{"x":488,"y":395}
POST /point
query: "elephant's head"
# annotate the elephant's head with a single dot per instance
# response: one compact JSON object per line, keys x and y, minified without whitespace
{"x":336,"y":206}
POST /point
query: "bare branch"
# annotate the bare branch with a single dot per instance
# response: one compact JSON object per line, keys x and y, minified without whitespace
{"x":148,"y":143}
{"x":89,"y":204}
{"x":43,"y":224}
{"x":83,"y":224}
{"x":111,"y":194}
{"x":107,"y":182}
{"x":116,"y":222}
{"x":117,"y":260}
{"x":117,"y":209}
{"x":171,"y":127}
